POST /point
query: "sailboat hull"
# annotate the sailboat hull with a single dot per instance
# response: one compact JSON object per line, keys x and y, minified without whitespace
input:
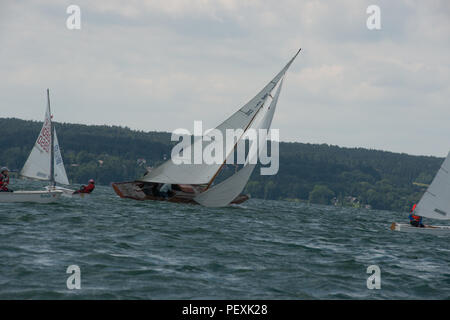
{"x":30,"y":196}
{"x":137,"y":190}
{"x":403,"y":227}
{"x":66,"y":192}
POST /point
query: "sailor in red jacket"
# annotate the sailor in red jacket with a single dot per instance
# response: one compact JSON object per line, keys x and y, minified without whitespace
{"x":415,"y":221}
{"x":4,"y":180}
{"x":87,"y":189}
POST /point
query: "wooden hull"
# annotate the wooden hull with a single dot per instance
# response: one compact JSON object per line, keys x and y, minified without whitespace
{"x":404,"y":227}
{"x":142,"y":191}
{"x":30,"y":196}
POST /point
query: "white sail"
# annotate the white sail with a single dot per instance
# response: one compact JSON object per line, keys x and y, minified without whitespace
{"x":169,"y":172}
{"x":226,"y":191}
{"x":222,"y":194}
{"x":37,"y":165}
{"x":60,"y":171}
{"x":435,"y":203}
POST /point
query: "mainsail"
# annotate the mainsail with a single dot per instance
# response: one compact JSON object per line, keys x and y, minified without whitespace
{"x":38,"y":164}
{"x":204,"y":173}
{"x":435,"y":203}
{"x":223,"y":193}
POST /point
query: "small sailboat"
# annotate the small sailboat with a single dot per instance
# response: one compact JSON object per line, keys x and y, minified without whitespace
{"x":44,"y":163}
{"x":198,"y":183}
{"x":434,"y":204}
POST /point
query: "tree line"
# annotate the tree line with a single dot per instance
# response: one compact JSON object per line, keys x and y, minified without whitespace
{"x":323,"y":174}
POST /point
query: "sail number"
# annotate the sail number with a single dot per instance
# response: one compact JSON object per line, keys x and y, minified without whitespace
{"x":44,"y":138}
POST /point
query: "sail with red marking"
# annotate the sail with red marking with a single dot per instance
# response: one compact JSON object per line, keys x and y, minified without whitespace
{"x":38,"y":164}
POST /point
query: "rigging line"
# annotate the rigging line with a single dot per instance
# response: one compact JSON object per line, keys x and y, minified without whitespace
{"x":52,"y":145}
{"x":220,"y":168}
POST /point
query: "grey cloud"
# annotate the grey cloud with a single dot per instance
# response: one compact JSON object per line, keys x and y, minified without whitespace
{"x":160,"y":65}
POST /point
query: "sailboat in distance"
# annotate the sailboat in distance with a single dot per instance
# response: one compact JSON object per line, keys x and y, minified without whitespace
{"x":44,"y":163}
{"x":197,"y":183}
{"x":434,"y":204}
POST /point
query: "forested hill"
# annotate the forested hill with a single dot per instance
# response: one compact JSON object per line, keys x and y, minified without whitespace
{"x":308,"y":172}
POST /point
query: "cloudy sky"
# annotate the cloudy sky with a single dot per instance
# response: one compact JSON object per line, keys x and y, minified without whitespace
{"x":160,"y":65}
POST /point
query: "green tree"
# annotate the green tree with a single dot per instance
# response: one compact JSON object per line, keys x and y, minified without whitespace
{"x":321,"y":195}
{"x":385,"y":180}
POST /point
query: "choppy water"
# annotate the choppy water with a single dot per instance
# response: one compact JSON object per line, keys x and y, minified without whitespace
{"x":259,"y":250}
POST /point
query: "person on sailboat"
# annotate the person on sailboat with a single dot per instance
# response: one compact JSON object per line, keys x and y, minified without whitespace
{"x":414,"y":220}
{"x":4,"y":180}
{"x":90,"y":187}
{"x":166,"y":190}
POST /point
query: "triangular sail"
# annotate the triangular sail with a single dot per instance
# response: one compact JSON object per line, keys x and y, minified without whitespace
{"x":222,"y":194}
{"x":37,"y":165}
{"x":435,"y":203}
{"x":226,"y":191}
{"x":60,"y":171}
{"x":169,"y":172}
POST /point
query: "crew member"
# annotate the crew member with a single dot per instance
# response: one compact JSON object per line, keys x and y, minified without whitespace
{"x":87,"y":189}
{"x":415,"y":221}
{"x":166,"y":190}
{"x":4,"y":180}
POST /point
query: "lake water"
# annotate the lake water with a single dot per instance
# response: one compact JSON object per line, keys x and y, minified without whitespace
{"x":259,"y":250}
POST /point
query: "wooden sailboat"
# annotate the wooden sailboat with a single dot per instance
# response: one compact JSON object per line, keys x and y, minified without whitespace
{"x":434,"y":204}
{"x":44,"y":163}
{"x":197,"y":183}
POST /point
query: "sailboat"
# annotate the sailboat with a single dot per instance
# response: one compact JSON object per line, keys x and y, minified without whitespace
{"x":44,"y":163}
{"x":434,"y":204}
{"x":198,"y":183}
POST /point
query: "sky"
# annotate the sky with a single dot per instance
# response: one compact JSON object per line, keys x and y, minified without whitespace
{"x":161,"y":65}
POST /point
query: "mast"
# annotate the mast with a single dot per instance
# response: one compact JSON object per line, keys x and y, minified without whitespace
{"x":274,"y":81}
{"x":203,"y":173}
{"x":220,"y":168}
{"x":52,"y":147}
{"x":224,"y":192}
